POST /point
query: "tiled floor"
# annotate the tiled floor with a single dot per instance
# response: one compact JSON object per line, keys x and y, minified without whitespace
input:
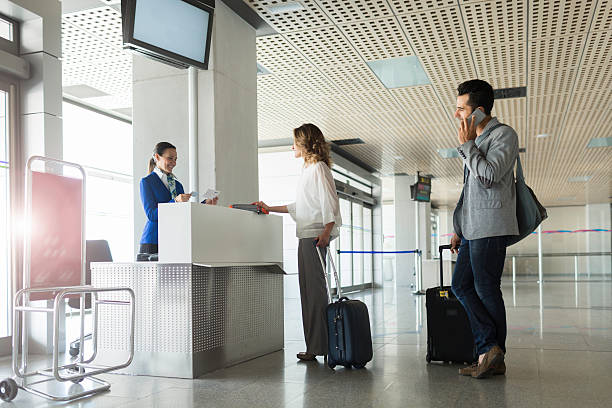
{"x":559,"y":355}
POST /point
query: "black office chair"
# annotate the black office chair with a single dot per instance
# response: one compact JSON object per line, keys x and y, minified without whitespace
{"x":95,"y":251}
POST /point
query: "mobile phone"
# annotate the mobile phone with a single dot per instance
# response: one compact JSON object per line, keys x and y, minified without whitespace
{"x":478,"y":114}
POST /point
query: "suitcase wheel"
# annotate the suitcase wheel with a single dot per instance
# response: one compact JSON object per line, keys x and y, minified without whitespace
{"x":428,"y":358}
{"x":331,"y":365}
{"x":359,"y":365}
{"x":347,"y":366}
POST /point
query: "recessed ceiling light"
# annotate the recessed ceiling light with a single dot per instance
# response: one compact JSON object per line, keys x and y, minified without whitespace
{"x":286,"y":7}
{"x":448,"y":153}
{"x":399,"y":72}
{"x":261,"y":70}
{"x":579,"y":179}
{"x":542,"y":135}
{"x":600,"y":142}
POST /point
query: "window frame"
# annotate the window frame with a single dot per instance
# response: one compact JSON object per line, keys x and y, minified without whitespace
{"x":11,"y":46}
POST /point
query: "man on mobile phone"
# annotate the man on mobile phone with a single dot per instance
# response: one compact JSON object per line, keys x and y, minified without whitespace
{"x":484,"y":218}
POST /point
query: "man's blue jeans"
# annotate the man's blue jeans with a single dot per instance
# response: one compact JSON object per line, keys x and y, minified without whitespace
{"x":477,"y":285}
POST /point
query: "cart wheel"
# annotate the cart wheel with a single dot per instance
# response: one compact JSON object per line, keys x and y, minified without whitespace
{"x":359,"y":365}
{"x":80,"y":370}
{"x":74,"y":350}
{"x":8,"y":389}
{"x":428,"y":358}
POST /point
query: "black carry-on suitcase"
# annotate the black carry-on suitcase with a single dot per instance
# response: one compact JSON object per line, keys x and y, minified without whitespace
{"x":348,"y":328}
{"x":449,"y":336}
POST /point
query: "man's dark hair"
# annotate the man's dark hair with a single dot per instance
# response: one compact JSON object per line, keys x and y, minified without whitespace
{"x":480,"y":94}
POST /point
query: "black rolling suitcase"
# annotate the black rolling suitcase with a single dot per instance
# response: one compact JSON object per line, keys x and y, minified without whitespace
{"x":348,"y":328}
{"x":449,"y":336}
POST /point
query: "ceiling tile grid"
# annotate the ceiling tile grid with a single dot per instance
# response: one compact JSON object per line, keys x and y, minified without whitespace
{"x":497,"y":22}
{"x":435,"y":31}
{"x":277,"y":55}
{"x":308,"y":18}
{"x":555,"y":53}
{"x":353,"y":78}
{"x":558,"y":18}
{"x":378,"y":39}
{"x":346,"y":11}
{"x":416,"y":6}
{"x":602,"y":20}
{"x":503,"y":65}
{"x":325,"y":46}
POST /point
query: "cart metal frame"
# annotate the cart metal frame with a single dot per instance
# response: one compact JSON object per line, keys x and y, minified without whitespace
{"x":82,"y":369}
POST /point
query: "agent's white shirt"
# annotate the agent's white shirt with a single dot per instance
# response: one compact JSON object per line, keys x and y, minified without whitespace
{"x":163,"y":176}
{"x":316,"y":202}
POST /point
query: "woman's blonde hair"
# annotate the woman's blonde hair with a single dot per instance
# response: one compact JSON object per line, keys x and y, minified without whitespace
{"x":310,"y":139}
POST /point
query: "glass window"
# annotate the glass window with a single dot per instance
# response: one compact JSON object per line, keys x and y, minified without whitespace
{"x":4,"y":218}
{"x":6,"y":29}
{"x":346,"y":244}
{"x":103,"y":146}
{"x":357,"y":244}
{"x":367,"y":245}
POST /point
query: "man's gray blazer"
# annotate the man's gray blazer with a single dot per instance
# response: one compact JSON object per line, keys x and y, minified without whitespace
{"x":487,"y":207}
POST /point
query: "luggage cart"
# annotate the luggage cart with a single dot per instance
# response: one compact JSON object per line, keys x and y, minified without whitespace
{"x":72,"y":380}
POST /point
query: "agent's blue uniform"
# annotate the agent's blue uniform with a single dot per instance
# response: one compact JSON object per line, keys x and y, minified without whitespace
{"x":152,"y":192}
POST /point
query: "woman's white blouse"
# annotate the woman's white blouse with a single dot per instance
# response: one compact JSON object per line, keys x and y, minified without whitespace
{"x":316,"y":202}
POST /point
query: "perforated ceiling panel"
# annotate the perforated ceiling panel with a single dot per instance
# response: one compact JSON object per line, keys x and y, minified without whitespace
{"x":561,"y":50}
{"x":92,"y":55}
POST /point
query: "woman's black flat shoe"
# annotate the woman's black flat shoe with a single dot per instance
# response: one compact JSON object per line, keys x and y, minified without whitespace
{"x":306,"y":356}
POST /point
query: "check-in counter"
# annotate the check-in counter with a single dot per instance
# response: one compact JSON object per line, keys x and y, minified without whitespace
{"x":214,"y":299}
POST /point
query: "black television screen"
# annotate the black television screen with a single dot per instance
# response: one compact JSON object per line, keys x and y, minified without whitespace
{"x":176,"y":32}
{"x":421,"y":190}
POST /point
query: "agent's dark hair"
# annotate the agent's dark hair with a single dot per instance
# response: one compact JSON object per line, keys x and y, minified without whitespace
{"x":160,"y":148}
{"x":311,"y":140}
{"x":480,"y":94}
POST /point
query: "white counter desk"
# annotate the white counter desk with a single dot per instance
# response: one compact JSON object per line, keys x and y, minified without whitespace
{"x":214,"y":299}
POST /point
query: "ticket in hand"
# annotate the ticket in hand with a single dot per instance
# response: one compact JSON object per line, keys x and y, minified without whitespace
{"x":210,"y":194}
{"x":194,"y":194}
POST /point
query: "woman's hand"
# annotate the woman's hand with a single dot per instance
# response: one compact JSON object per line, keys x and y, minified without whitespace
{"x":323,"y":239}
{"x":263,"y":205}
{"x":213,"y":201}
{"x":182,"y":198}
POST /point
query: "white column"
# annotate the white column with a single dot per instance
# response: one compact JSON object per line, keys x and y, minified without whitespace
{"x":405,"y":235}
{"x":407,"y":231}
{"x":226,"y":116}
{"x":40,"y":109}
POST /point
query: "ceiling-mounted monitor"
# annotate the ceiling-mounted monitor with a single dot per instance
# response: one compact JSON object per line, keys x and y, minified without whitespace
{"x":421,"y":190}
{"x":176,"y":32}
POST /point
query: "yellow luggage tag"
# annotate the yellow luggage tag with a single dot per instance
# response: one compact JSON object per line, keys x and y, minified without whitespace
{"x":444,"y":293}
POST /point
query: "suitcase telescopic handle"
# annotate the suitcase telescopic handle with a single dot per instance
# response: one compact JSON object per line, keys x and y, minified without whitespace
{"x":441,"y":248}
{"x":331,"y":263}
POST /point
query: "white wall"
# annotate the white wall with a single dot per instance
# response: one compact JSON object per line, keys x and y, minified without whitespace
{"x":569,"y":218}
{"x":279,"y":173}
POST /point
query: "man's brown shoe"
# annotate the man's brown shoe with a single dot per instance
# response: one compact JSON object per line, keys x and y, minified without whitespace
{"x":306,"y":356}
{"x":492,"y":358}
{"x":467,"y":371}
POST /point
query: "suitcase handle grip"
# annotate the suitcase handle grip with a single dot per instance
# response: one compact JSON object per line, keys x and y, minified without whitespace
{"x":442,"y":248}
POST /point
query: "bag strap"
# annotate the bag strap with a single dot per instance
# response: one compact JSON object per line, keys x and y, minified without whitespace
{"x":519,"y":169}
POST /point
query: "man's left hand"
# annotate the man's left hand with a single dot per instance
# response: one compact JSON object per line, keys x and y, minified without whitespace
{"x":467,"y":130}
